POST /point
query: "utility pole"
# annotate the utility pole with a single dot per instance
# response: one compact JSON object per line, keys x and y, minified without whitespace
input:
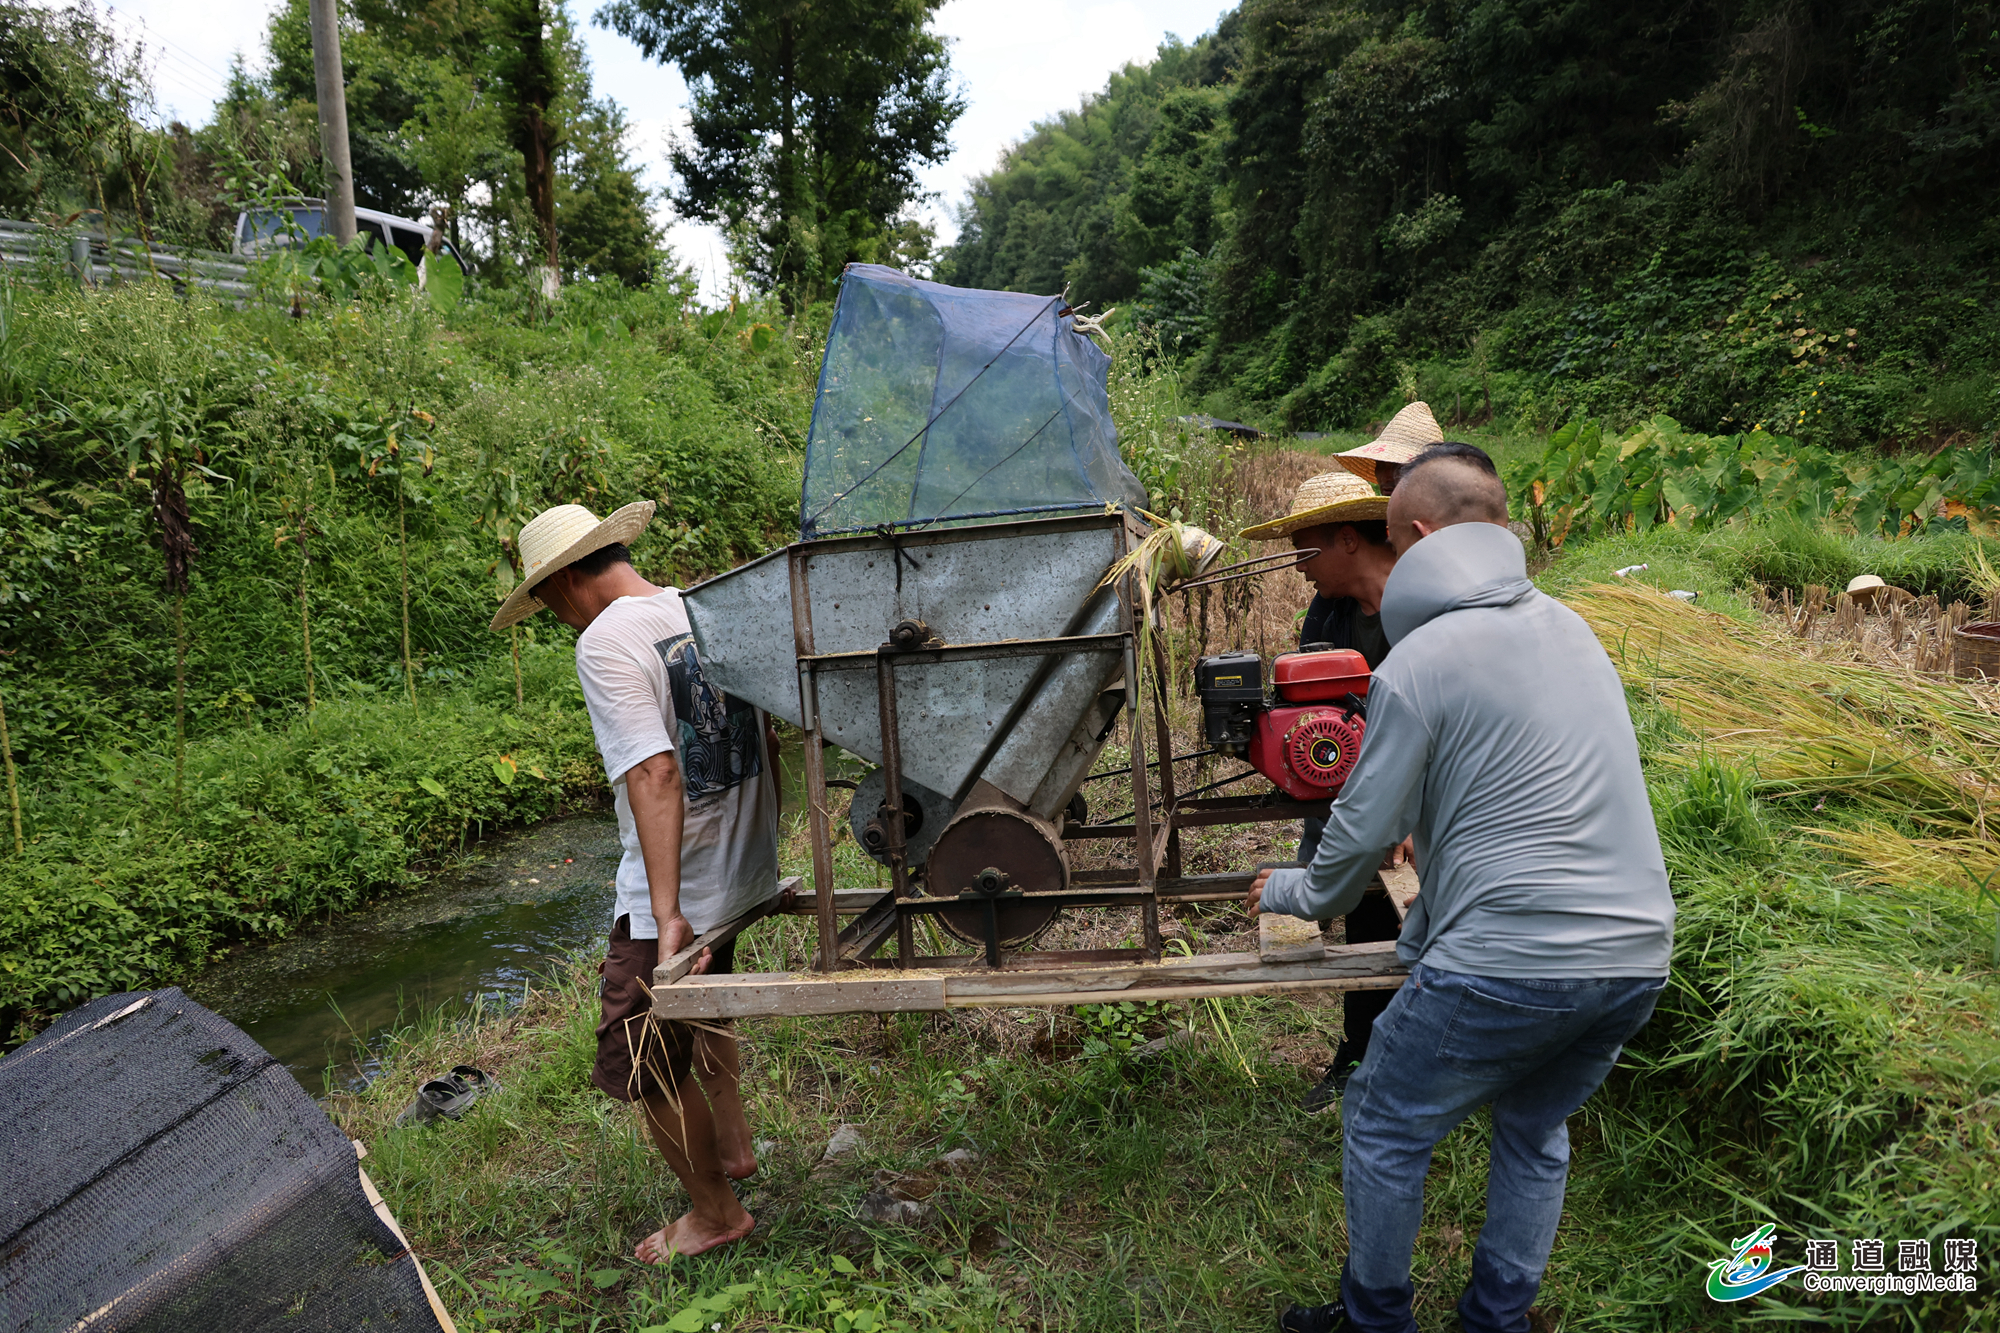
{"x":332,"y":92}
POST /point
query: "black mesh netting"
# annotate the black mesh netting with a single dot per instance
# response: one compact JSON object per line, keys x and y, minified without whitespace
{"x":161,"y":1172}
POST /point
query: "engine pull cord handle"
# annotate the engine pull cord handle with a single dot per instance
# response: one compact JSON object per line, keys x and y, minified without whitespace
{"x":1354,"y":706}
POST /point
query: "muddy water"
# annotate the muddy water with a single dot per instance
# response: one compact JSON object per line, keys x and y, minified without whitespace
{"x":319,"y":999}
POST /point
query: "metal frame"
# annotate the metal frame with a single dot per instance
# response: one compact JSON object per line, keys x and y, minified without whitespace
{"x":1153,"y":877}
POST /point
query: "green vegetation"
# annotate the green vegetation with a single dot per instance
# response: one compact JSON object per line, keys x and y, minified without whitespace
{"x":352,"y":481}
{"x":807,"y":158}
{"x":1735,"y":216}
{"x":1586,"y":483}
{"x":1825,"y":1059}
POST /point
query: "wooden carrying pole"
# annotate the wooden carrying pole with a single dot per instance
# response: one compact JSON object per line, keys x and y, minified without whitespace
{"x":331,"y":89}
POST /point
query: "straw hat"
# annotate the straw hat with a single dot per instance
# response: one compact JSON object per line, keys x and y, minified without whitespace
{"x":1409,"y":433}
{"x":1865,"y":588}
{"x":1331,"y":497}
{"x":561,"y":536}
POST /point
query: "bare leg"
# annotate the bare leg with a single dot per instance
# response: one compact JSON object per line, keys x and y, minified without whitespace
{"x":685,"y":1136}
{"x":715,"y":1063}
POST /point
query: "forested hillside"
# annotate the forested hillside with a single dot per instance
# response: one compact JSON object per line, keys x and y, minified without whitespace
{"x":1736,"y":214}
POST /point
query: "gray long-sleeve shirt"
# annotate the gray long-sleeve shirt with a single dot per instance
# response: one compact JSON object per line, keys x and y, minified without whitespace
{"x":1498,"y":734}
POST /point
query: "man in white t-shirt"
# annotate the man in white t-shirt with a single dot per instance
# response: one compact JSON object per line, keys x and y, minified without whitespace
{"x":694,"y":771}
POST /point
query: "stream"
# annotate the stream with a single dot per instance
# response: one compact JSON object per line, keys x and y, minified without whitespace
{"x":320,"y":999}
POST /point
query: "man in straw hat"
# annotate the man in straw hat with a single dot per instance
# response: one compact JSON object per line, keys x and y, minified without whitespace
{"x":1339,"y":516}
{"x":694,"y":773}
{"x":1498,"y":732}
{"x":1381,"y":460}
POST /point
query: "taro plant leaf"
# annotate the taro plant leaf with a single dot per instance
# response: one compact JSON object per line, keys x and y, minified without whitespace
{"x":505,"y":769}
{"x":443,"y":280}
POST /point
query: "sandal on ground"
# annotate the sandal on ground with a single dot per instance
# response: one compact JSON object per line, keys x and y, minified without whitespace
{"x":482,"y":1083}
{"x":438,"y":1099}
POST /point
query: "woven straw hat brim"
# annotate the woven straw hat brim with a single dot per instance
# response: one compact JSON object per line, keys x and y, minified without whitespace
{"x":621,"y":528}
{"x":1361,"y":509}
{"x":1409,"y":433}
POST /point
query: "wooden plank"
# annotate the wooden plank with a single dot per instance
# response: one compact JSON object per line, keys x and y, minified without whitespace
{"x":765,"y":994}
{"x":676,"y":967}
{"x":848,"y":902}
{"x":1222,"y":969}
{"x":1351,"y":967}
{"x":1207,"y":990}
{"x":1402,"y":886}
{"x":1207,"y":888}
{"x":1347,"y":967}
{"x":863,"y":935}
{"x":1286,"y":939}
{"x":381,"y":1207}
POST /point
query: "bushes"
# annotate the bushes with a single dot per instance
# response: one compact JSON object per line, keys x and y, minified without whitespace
{"x":310,"y":445}
{"x":279,"y":821}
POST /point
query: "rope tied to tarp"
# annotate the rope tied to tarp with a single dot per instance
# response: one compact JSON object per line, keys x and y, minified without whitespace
{"x":889,"y":535}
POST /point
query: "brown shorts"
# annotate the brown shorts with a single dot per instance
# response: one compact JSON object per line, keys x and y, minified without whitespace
{"x":639,"y":1055}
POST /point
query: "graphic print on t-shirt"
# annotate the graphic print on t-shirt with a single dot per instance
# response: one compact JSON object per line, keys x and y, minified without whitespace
{"x":720,"y":742}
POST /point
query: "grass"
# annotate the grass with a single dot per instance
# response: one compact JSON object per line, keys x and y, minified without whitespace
{"x":1827,"y":1058}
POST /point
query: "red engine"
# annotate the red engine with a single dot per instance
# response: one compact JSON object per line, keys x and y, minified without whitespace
{"x":1307,"y":740}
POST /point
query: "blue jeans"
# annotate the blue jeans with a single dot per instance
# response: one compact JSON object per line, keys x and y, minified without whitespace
{"x":1447,"y":1045}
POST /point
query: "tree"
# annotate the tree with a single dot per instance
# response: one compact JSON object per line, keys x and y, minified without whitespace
{"x":809,"y":123}
{"x":1096,"y":196}
{"x":484,"y":106}
{"x":529,"y":82}
{"x":602,"y":211}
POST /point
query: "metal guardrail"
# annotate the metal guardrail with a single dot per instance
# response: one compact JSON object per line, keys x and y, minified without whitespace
{"x":96,"y":260}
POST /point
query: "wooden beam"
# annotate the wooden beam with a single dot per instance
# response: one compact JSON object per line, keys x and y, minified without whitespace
{"x":860,"y":991}
{"x":1402,"y":886}
{"x":1346,"y":967}
{"x":676,"y":967}
{"x":865,"y":934}
{"x":848,"y":902}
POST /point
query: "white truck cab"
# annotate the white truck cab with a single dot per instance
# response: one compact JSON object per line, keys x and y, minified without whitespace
{"x":260,"y":231}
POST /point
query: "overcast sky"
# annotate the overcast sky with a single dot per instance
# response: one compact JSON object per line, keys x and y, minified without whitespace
{"x":1018,"y":60}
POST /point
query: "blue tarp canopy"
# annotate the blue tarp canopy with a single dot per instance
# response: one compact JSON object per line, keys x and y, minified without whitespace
{"x":945,"y":405}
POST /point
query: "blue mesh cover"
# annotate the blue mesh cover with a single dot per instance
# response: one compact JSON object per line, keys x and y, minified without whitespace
{"x":944,"y":404}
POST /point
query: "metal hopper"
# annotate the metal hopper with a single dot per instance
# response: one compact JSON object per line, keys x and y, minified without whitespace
{"x":1006,"y":718}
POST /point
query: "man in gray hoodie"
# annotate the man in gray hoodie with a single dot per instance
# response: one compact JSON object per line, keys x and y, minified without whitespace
{"x":1497,"y":734}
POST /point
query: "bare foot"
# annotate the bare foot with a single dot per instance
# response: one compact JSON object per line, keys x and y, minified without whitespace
{"x":739,"y":1166}
{"x":688,"y":1235}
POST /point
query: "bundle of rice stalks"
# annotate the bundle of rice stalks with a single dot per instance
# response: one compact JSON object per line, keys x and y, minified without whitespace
{"x":1903,"y":746}
{"x":1979,"y":572}
{"x":1173,"y":552}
